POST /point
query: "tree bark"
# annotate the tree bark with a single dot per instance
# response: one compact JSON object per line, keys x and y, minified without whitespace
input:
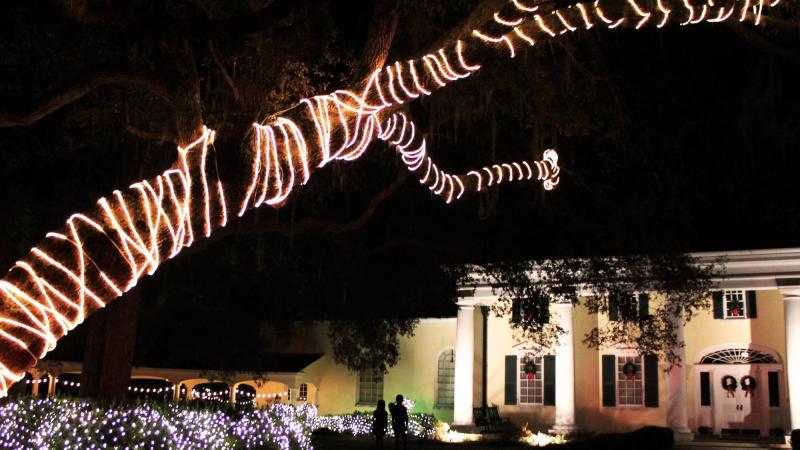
{"x":108,"y":358}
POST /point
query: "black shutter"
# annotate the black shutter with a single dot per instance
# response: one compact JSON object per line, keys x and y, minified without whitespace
{"x":705,"y":389}
{"x":774,"y":392}
{"x":549,"y":380}
{"x":718,"y":309}
{"x":752,"y":311}
{"x":644,"y":306}
{"x":613,"y":307}
{"x":609,"y":380}
{"x":651,"y":381}
{"x":511,"y":379}
{"x":516,"y":312}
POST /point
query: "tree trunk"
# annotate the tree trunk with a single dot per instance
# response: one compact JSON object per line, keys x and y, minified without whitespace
{"x":108,"y":357}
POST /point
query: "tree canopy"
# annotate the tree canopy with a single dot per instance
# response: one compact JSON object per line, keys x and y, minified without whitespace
{"x":671,"y":140}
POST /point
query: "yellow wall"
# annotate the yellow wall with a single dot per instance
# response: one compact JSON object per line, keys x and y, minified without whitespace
{"x":415,"y":374}
{"x":703,"y":331}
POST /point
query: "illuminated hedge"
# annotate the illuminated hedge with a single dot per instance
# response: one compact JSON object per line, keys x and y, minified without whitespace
{"x":80,"y":424}
{"x":360,"y":424}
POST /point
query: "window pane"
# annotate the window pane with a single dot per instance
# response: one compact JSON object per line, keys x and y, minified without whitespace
{"x":630,"y":380}
{"x":531,"y":389}
{"x":735,"y":305}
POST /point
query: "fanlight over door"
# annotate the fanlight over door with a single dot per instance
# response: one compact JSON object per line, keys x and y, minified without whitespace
{"x":738,"y":355}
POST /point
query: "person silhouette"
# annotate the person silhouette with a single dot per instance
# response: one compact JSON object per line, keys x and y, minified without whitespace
{"x":379,"y":421}
{"x":399,"y":421}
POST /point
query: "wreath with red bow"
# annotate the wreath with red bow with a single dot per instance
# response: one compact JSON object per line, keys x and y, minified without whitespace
{"x":630,"y":370}
{"x":748,"y":385}
{"x":529,"y":366}
{"x":730,"y":384}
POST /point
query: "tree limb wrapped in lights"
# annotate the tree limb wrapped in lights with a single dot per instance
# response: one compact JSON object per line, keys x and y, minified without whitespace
{"x":101,"y":253}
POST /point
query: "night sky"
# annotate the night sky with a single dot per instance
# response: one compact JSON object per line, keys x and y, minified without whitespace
{"x":682,"y":139}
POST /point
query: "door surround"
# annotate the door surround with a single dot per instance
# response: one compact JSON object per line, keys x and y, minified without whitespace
{"x":739,"y":359}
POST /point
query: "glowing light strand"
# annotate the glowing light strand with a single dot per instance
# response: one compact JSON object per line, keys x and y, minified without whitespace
{"x":64,"y":279}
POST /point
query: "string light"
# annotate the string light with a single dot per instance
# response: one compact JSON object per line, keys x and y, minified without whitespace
{"x":63,"y":279}
{"x":52,"y":294}
{"x":531,"y":27}
{"x":413,"y":152}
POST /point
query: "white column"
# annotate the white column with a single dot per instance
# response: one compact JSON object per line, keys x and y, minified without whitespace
{"x":565,"y":371}
{"x":677,"y":399}
{"x":791,"y":314}
{"x":465,"y":359}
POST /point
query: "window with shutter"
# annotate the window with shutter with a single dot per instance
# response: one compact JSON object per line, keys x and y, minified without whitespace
{"x":629,"y":306}
{"x":736,"y":304}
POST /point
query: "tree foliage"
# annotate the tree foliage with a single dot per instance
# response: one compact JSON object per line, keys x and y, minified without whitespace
{"x":369,"y":345}
{"x":601,"y":284}
{"x":98,"y":92}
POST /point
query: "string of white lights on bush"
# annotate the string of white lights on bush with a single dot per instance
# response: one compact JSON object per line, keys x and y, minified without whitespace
{"x":84,"y":425}
{"x":100,"y":254}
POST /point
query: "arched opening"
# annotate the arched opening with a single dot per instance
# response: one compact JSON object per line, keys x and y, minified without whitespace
{"x":244,"y":395}
{"x":150,"y":389}
{"x":214,"y":391}
{"x":68,"y":384}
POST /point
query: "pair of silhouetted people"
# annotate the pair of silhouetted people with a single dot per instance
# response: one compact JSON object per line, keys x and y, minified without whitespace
{"x":399,"y":422}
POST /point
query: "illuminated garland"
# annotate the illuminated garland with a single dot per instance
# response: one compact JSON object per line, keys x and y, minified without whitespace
{"x":102,"y":253}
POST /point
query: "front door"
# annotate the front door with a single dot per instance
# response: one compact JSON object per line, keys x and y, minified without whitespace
{"x":739,"y":407}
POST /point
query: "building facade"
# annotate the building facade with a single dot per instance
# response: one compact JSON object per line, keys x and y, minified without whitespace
{"x":740,"y":373}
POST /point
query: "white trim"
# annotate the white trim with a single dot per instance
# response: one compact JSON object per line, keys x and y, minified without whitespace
{"x":438,"y":321}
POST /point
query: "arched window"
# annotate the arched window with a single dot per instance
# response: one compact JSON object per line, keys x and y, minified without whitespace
{"x":445,"y":379}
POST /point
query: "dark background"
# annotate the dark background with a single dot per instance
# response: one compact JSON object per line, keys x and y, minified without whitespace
{"x":674,"y":140}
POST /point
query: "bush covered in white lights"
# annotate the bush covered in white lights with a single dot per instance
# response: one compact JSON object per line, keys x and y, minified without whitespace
{"x":63,"y":423}
{"x":360,"y":424}
{"x":28,"y":423}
